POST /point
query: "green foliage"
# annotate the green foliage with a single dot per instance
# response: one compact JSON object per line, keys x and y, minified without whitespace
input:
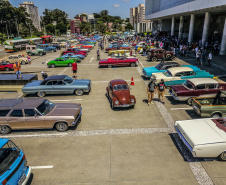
{"x":3,"y":37}
{"x":129,"y":26}
{"x":101,"y":27}
{"x":85,"y":27}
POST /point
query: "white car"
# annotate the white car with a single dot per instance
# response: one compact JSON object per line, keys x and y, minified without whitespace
{"x":205,"y":138}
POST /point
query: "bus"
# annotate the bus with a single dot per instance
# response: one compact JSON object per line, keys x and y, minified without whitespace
{"x":35,"y":41}
{"x":46,"y":39}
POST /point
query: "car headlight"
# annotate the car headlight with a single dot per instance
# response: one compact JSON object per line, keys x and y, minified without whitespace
{"x":132,"y":100}
{"x":116,"y":102}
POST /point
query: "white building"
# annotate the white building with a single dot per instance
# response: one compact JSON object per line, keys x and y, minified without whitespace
{"x":195,"y":20}
{"x":32,"y":10}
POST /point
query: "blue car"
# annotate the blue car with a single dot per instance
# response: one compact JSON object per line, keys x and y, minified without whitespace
{"x":71,"y":55}
{"x":13,"y":164}
{"x":162,"y":67}
{"x":47,"y":47}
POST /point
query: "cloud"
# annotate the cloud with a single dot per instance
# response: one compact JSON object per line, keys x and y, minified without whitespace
{"x":126,"y":1}
{"x":116,"y":5}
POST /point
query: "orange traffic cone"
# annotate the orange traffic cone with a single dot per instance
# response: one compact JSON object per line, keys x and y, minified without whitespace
{"x":132,"y":82}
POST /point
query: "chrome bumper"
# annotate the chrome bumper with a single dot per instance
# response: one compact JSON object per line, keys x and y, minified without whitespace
{"x":176,"y":98}
{"x":78,"y":117}
{"x":27,"y":176}
{"x":126,"y":105}
{"x":145,"y":75}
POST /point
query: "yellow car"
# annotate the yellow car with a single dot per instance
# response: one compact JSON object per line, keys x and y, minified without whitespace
{"x":121,"y":51}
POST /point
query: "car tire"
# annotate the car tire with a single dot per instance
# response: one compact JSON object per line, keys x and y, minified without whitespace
{"x":215,"y":115}
{"x":154,"y":59}
{"x":6,"y":69}
{"x":4,"y":129}
{"x":52,"y":65}
{"x":41,"y":94}
{"x":173,"y":58}
{"x":109,"y":66}
{"x":168,"y":57}
{"x":61,"y":127}
{"x":23,"y":62}
{"x":29,"y":54}
{"x":79,"y":92}
{"x":132,"y":64}
{"x":55,"y":50}
{"x":222,"y":156}
{"x":189,"y":101}
{"x":40,"y":54}
{"x":52,"y":50}
{"x":70,"y":64}
{"x":7,"y":62}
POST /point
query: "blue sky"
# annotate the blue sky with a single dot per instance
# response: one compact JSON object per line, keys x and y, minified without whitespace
{"x":73,"y":7}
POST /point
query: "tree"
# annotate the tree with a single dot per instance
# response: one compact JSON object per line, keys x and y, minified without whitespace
{"x":85,"y":27}
{"x":101,"y":27}
{"x":129,"y":26}
{"x":3,"y":37}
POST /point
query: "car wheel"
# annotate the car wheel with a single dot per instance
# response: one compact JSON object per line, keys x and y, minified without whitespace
{"x":154,"y":59}
{"x":29,"y":54}
{"x":62,"y":127}
{"x":6,"y":69}
{"x":70,"y":64}
{"x":52,"y":65}
{"x":132,"y":64}
{"x":55,"y":50}
{"x":216,"y":115}
{"x":40,"y":54}
{"x":23,"y":62}
{"x":7,"y":62}
{"x":5,"y":129}
{"x":52,"y":50}
{"x":189,"y":101}
{"x":41,"y":94}
{"x":79,"y":92}
{"x":222,"y":156}
{"x":168,"y":56}
{"x":173,"y":58}
{"x":109,"y":66}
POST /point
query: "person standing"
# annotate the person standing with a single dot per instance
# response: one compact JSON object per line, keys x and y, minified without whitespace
{"x":29,"y":60}
{"x":151,"y":90}
{"x":74,"y":69}
{"x":17,"y":69}
{"x":198,"y":56}
{"x":131,"y":52}
{"x":98,"y":54}
{"x":161,"y":90}
{"x":210,"y":57}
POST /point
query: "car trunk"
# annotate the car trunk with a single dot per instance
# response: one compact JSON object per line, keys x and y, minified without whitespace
{"x":66,"y":109}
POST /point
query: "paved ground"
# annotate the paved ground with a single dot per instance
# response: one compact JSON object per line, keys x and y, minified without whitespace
{"x":114,"y":147}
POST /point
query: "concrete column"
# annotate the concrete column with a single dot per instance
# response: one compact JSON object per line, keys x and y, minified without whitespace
{"x":151,"y":26}
{"x":173,"y":26}
{"x":138,"y":28}
{"x":181,"y":27}
{"x":223,"y":41}
{"x":206,"y":28}
{"x":148,"y":26}
{"x":191,"y":29}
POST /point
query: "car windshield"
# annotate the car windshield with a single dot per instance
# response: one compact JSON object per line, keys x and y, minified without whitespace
{"x":167,"y":73}
{"x":120,"y":87}
{"x":68,"y":80}
{"x":8,"y":154}
{"x":46,"y":107}
{"x":188,"y":85}
{"x":159,"y":66}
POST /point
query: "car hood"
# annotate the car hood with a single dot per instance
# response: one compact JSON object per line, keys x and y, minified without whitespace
{"x":32,"y":84}
{"x":81,"y":82}
{"x":158,"y":75}
{"x":179,"y":88}
{"x":103,"y":61}
{"x":123,"y":96}
{"x":150,"y":69}
{"x":70,"y":109}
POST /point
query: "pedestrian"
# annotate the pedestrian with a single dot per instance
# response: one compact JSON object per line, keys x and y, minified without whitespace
{"x":44,"y":75}
{"x":198,"y":56}
{"x":74,"y":69}
{"x":131,"y":52}
{"x":210,"y":57}
{"x":144,"y":50}
{"x":17,"y":69}
{"x":151,"y":90}
{"x":29,"y":60}
{"x":161,"y":90}
{"x":98,"y":54}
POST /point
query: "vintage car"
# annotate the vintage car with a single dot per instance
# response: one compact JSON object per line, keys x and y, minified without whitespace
{"x":58,"y":84}
{"x":212,"y":106}
{"x":119,"y":94}
{"x":156,"y":54}
{"x":123,"y":61}
{"x":37,"y":113}
{"x":57,"y":46}
{"x":115,"y":47}
{"x":5,"y":67}
{"x":118,"y":51}
{"x":178,"y":75}
{"x":79,"y":48}
{"x":196,"y":87}
{"x":16,"y":58}
{"x":33,"y":50}
{"x":162,"y":67}
{"x":204,"y":138}
{"x":83,"y":46}
{"x":62,"y":62}
{"x":119,"y":55}
{"x":61,"y":44}
{"x":47,"y":47}
{"x":75,"y":51}
{"x":72,"y":55}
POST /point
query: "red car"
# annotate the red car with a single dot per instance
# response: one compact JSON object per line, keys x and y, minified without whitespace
{"x":196,"y":87}
{"x":73,"y":50}
{"x":119,"y":95}
{"x":121,"y":61}
{"x":6,"y":67}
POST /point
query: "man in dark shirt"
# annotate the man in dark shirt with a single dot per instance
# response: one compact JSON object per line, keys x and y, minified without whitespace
{"x":151,"y":89}
{"x":161,"y":90}
{"x":74,"y":69}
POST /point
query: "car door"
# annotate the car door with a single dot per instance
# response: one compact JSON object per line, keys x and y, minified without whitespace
{"x":121,"y":62}
{"x":16,"y":119}
{"x":211,"y":89}
{"x":62,"y":62}
{"x":48,"y":87}
{"x":59,"y":87}
{"x":33,"y":119}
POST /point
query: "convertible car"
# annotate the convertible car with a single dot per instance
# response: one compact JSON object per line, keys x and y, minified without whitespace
{"x":178,"y":75}
{"x":117,"y":48}
{"x":123,"y":61}
{"x":58,"y":84}
{"x":118,"y":51}
{"x":72,"y":55}
{"x":162,"y":67}
{"x":119,"y":94}
{"x":62,"y":62}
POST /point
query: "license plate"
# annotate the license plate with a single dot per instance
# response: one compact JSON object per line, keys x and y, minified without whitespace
{"x":22,"y":179}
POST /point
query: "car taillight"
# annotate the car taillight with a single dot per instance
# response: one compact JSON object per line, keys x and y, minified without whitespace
{"x":4,"y":182}
{"x":24,"y":157}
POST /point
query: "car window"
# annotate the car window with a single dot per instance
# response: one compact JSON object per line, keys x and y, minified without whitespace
{"x":28,"y":48}
{"x":179,"y":74}
{"x":188,"y":73}
{"x":188,"y":85}
{"x":10,"y":57}
{"x":33,"y":47}
{"x":120,"y":87}
{"x":29,"y":112}
{"x":4,"y":113}
{"x":59,"y":82}
{"x":211,"y":86}
{"x":160,"y":51}
{"x":201,"y":86}
{"x":16,"y":113}
{"x":49,"y":83}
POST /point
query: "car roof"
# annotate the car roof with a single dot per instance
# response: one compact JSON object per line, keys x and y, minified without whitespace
{"x":198,"y":81}
{"x":20,"y":103}
{"x":175,"y":70}
{"x":3,"y":141}
{"x":56,"y":77}
{"x":169,"y":63}
{"x":118,"y":81}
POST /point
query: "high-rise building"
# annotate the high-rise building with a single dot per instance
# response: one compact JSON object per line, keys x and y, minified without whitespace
{"x":32,"y":10}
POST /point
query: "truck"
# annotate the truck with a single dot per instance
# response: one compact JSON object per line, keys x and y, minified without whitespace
{"x":33,"y":50}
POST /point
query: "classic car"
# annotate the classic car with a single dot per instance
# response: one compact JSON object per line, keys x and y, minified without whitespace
{"x":204,"y":138}
{"x":57,"y":46}
{"x":79,"y":48}
{"x":140,"y":50}
{"x":33,"y":50}
{"x":47,"y":47}
{"x":162,"y":67}
{"x":119,"y":55}
{"x":115,"y":47}
{"x":62,"y":62}
{"x":120,"y":45}
{"x":37,"y":113}
{"x":178,"y":75}
{"x":196,"y":87}
{"x":119,"y":94}
{"x":6,"y":67}
{"x":155,"y":54}
{"x":118,"y":51}
{"x":16,"y":58}
{"x":212,"y":106}
{"x":58,"y":84}
{"x":72,"y":55}
{"x":85,"y":46}
{"x":123,"y":61}
{"x":73,"y":52}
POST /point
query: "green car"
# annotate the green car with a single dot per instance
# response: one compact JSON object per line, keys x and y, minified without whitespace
{"x":62,"y":62}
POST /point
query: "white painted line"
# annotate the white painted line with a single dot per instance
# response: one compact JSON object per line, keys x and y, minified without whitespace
{"x":35,"y":135}
{"x":46,"y":61}
{"x":139,"y":70}
{"x":189,"y":108}
{"x":68,"y":100}
{"x":91,"y":59}
{"x":141,"y":63}
{"x":20,"y":95}
{"x":62,"y":72}
{"x":41,"y":167}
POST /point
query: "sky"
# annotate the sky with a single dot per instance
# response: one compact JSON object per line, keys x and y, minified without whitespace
{"x":74,"y":7}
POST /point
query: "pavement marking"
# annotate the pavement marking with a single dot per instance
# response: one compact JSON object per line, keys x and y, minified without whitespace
{"x":91,"y":59}
{"x":62,"y":72}
{"x":20,"y":95}
{"x":139,"y":70}
{"x":141,"y":63}
{"x":188,"y":108}
{"x":41,"y":167}
{"x":34,"y":135}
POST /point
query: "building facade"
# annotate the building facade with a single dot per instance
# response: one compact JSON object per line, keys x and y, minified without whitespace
{"x":32,"y":10}
{"x":199,"y":21}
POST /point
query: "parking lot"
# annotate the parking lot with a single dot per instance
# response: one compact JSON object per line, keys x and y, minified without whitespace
{"x":113,"y":147}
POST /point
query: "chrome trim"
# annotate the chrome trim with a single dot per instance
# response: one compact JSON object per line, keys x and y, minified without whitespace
{"x":27,"y":176}
{"x":176,"y":98}
{"x":79,"y":116}
{"x":125,"y":105}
